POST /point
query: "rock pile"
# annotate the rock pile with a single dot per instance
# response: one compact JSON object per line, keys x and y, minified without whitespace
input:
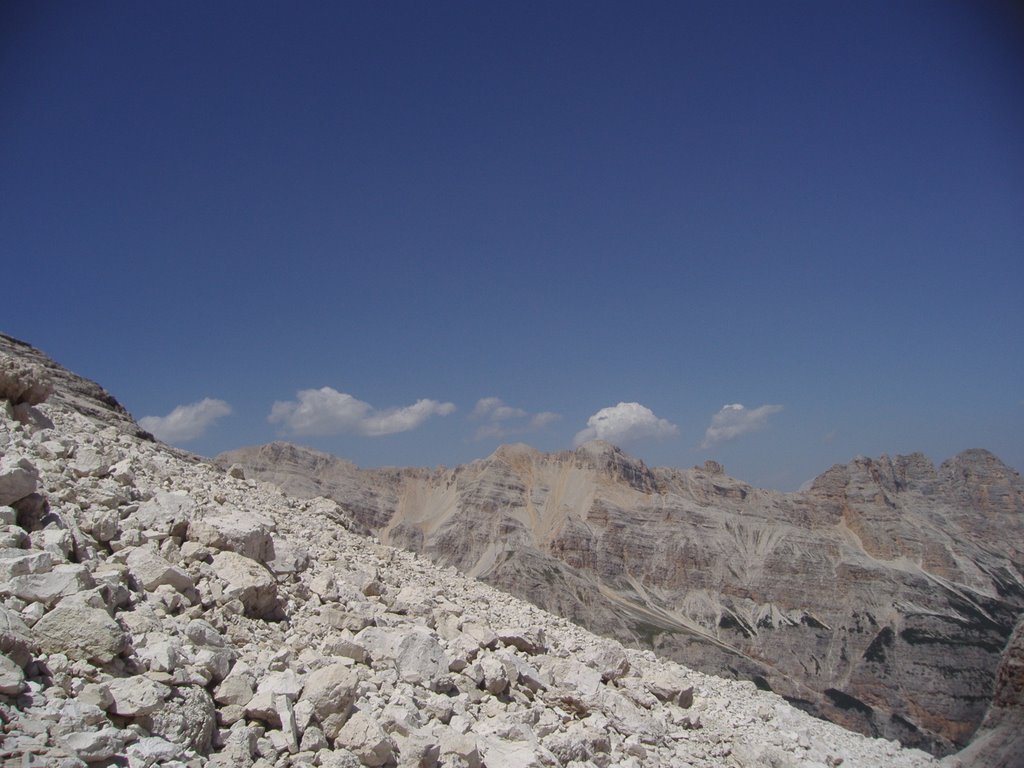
{"x":159,"y":611}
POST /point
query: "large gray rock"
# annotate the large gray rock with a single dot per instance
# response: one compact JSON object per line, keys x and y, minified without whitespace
{"x":247,"y":581}
{"x":420,"y":660}
{"x":151,"y":570}
{"x":12,"y":676}
{"x":670,"y":686}
{"x":137,"y":696}
{"x":49,"y":587}
{"x":15,"y":640}
{"x":18,"y":479}
{"x":235,"y":531}
{"x":187,"y":717}
{"x":80,"y":632}
{"x":264,"y":705}
{"x":152,"y":751}
{"x":96,"y":746}
{"x":330,"y":692}
{"x":237,"y":687}
{"x":23,"y":382}
{"x":21,"y":562}
{"x":364,"y":737}
{"x":167,"y":513}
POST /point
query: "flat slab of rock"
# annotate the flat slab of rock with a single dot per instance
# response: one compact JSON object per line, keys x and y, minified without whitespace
{"x":22,"y":562}
{"x":49,"y":587}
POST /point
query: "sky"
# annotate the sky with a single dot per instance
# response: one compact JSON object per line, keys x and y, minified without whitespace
{"x":776,"y":235}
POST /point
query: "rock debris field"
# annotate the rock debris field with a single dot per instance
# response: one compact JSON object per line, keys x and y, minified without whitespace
{"x":155,"y":610}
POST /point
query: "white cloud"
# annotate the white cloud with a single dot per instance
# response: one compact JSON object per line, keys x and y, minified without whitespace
{"x":502,"y":420}
{"x":735,"y":420}
{"x":186,"y":422}
{"x":326,"y":411}
{"x":624,"y":422}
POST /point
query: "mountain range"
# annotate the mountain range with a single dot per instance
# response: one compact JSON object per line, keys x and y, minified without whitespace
{"x":881,"y":597}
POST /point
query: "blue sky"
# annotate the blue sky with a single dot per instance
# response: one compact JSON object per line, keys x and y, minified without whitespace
{"x":407,"y":232}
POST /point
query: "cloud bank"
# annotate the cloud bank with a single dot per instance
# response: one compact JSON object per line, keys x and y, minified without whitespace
{"x":326,"y":411}
{"x":624,"y":422}
{"x":502,"y":420}
{"x":735,"y":420}
{"x":186,"y":422}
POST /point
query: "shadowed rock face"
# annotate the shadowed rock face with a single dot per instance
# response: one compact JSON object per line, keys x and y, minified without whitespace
{"x":881,"y":598}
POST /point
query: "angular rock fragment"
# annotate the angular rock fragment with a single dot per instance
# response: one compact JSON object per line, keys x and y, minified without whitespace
{"x":49,"y":587}
{"x":367,"y":740}
{"x":96,"y":746}
{"x":80,"y":632}
{"x":249,"y":582}
{"x":12,"y":677}
{"x":187,"y":717}
{"x":167,"y":513}
{"x":137,"y":696}
{"x":233,"y":531}
{"x":669,"y":686}
{"x":330,"y":692}
{"x":150,"y":570}
{"x":18,"y":479}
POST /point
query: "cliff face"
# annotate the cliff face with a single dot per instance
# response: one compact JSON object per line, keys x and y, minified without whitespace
{"x":881,"y":598}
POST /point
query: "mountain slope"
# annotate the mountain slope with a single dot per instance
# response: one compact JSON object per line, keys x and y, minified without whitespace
{"x":881,"y":598}
{"x":157,"y":611}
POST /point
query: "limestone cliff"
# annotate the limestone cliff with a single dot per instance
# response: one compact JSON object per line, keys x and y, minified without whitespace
{"x":881,"y":597}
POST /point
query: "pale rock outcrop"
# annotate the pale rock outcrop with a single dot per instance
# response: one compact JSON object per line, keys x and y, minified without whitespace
{"x":96,"y":746}
{"x":186,"y":717}
{"x":12,"y":677}
{"x":21,"y":562}
{"x":366,"y":740}
{"x":50,"y":586}
{"x":264,"y":704}
{"x":420,"y":660}
{"x":23,"y":382}
{"x":15,"y":640}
